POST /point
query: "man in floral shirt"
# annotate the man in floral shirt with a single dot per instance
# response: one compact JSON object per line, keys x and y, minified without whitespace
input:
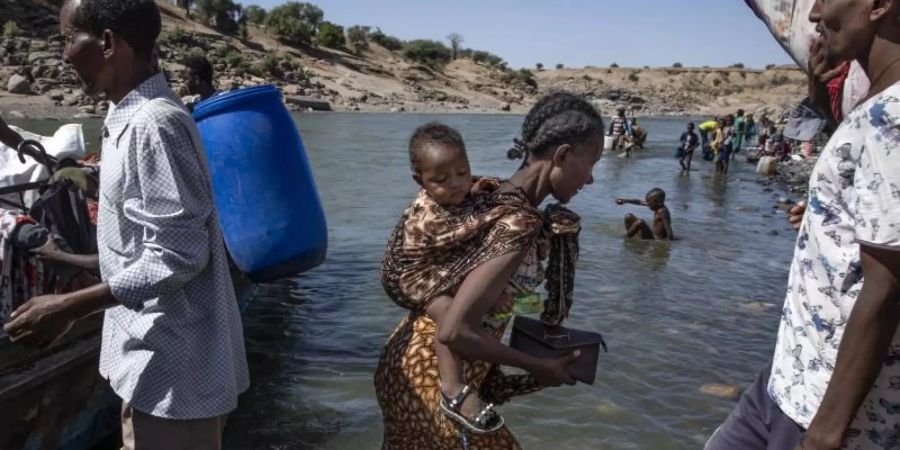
{"x":834,"y":381}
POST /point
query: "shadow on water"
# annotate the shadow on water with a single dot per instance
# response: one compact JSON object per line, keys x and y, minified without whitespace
{"x":271,"y":415}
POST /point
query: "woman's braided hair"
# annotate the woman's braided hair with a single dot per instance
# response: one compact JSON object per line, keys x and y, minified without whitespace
{"x":556,"y":119}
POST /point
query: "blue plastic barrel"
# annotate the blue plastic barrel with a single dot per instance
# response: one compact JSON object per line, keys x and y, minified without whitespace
{"x":265,"y":193}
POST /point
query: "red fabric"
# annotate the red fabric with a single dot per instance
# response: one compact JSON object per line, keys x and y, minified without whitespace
{"x":92,"y":159}
{"x":93,"y":208}
{"x":836,"y":91}
{"x":24,"y":219}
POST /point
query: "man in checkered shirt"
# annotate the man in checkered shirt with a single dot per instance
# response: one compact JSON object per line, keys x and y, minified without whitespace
{"x":173,"y":347}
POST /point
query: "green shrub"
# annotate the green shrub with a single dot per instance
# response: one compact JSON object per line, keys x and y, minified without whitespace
{"x":559,"y":66}
{"x":481,"y":56}
{"x":294,"y":22}
{"x":11,"y":29}
{"x":178,"y":35}
{"x":677,"y":65}
{"x":633,"y":77}
{"x":256,"y":70}
{"x":389,"y":42}
{"x":272,"y":65}
{"x":525,"y":76}
{"x":432,"y":53}
{"x":358,"y":37}
{"x":255,"y":14}
{"x":330,"y":35}
{"x":614,"y":66}
{"x":233,"y":59}
{"x":778,"y":80}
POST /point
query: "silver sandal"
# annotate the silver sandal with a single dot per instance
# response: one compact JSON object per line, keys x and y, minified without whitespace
{"x":486,"y":420}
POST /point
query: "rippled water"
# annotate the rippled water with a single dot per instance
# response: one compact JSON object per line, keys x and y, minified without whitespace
{"x":676,"y":316}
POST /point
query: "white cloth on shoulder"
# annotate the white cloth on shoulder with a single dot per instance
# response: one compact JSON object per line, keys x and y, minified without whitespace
{"x":66,"y":142}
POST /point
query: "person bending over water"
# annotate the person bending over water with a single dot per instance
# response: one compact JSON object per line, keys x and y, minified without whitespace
{"x":562,"y":139}
{"x":662,"y":220}
{"x":638,"y":134}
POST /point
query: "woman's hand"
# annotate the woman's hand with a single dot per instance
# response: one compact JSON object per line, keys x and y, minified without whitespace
{"x":551,"y":372}
{"x":49,"y":251}
{"x":796,"y":214}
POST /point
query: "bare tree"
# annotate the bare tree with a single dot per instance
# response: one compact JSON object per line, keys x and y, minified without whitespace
{"x":455,"y":39}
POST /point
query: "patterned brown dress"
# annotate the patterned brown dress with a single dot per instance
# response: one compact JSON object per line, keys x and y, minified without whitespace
{"x":407,"y":381}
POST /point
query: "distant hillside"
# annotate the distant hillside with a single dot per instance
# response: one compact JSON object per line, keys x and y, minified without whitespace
{"x":376,"y":79}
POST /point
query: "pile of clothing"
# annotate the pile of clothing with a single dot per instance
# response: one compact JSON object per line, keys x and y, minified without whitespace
{"x":61,"y":213}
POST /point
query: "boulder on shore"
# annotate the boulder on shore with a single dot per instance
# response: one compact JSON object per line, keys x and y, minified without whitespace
{"x":17,"y":84}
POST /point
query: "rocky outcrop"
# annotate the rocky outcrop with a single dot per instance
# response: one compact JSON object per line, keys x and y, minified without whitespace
{"x":381,"y":80}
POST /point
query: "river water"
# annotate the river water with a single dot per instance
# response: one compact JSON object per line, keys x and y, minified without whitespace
{"x":703,"y":309}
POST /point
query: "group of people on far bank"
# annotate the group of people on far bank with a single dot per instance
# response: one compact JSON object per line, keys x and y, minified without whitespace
{"x":719,"y":139}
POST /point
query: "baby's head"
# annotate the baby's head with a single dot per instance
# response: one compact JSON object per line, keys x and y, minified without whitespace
{"x":656,"y":198}
{"x":437,"y":156}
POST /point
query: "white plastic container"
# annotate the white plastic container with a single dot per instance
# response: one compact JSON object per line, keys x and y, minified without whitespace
{"x":608,"y":142}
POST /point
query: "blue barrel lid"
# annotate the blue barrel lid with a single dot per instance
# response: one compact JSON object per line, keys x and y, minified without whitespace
{"x":227,"y":100}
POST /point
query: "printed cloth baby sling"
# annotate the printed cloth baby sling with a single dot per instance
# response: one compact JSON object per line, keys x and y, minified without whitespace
{"x":433,"y":248}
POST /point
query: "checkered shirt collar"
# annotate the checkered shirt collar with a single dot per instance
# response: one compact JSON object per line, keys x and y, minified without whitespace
{"x":120,"y":114}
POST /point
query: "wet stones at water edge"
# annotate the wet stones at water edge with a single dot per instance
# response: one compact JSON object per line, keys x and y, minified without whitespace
{"x":726,"y":391}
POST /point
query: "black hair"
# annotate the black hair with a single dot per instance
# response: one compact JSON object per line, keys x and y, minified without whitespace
{"x":556,"y":119}
{"x":429,"y":134}
{"x":199,"y":66}
{"x":137,"y":22}
{"x":690,"y":124}
{"x":740,"y":113}
{"x":657,"y":192}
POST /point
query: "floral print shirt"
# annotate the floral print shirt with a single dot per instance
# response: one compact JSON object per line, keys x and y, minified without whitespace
{"x":854,"y":199}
